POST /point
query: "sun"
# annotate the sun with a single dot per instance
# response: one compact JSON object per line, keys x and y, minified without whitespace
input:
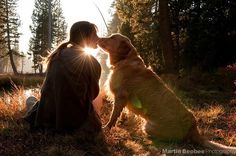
{"x":91,"y":51}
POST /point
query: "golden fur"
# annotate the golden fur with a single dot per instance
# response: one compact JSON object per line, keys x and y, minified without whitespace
{"x":144,"y":93}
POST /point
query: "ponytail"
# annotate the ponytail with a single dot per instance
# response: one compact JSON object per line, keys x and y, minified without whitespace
{"x":55,"y":53}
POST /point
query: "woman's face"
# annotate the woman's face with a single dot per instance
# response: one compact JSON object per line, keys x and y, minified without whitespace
{"x":92,"y":41}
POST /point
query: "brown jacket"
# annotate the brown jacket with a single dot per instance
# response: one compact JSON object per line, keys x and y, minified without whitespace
{"x":72,"y":82}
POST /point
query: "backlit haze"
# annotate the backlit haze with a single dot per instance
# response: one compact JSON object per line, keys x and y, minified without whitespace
{"x":74,"y":10}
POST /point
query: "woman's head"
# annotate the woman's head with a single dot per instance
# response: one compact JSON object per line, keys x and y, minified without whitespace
{"x":84,"y":33}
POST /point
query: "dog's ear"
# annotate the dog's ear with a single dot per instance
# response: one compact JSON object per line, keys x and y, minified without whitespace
{"x":122,"y":52}
{"x":124,"y":48}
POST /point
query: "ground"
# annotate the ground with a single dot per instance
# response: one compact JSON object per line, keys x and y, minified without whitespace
{"x":210,"y":98}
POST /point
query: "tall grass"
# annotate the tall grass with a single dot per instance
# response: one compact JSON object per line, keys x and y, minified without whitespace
{"x":12,"y":103}
{"x":12,"y":106}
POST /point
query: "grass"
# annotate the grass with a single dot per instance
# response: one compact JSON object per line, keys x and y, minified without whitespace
{"x":16,"y":139}
{"x":218,"y":123}
{"x":215,"y":112}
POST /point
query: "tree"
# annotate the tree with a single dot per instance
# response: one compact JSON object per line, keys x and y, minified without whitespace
{"x":181,"y":35}
{"x":39,"y":42}
{"x":2,"y":21}
{"x":2,"y":34}
{"x":59,"y":24}
{"x":211,"y":38}
{"x":9,"y":34}
{"x":171,"y":65}
{"x":137,"y":22}
{"x":115,"y":21}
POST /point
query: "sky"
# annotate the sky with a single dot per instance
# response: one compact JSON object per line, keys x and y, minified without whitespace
{"x":74,"y":10}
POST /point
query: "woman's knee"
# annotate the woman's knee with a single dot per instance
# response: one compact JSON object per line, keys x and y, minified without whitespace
{"x":30,"y":101}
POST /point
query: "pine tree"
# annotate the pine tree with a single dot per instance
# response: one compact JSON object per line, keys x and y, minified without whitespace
{"x":179,"y":34}
{"x":169,"y":55}
{"x":138,"y":23}
{"x":2,"y":43}
{"x":59,"y":24}
{"x":115,"y":21}
{"x":9,"y":35}
{"x":2,"y":32}
{"x":39,"y":42}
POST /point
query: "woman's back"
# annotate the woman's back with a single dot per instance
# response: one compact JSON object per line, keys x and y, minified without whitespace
{"x":67,"y":93}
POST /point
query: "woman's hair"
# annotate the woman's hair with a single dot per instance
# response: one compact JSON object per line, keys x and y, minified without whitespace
{"x":79,"y":32}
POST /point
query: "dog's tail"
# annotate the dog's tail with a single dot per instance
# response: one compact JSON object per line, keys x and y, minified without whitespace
{"x":211,"y":146}
{"x":217,"y":148}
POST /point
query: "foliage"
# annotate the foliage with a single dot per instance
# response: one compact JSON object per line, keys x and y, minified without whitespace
{"x":9,"y":35}
{"x":203,"y":32}
{"x":39,"y":42}
{"x":210,"y":34}
{"x":2,"y":33}
{"x":136,"y":21}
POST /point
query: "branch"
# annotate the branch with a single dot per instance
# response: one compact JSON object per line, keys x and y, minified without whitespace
{"x":2,"y":56}
{"x":17,"y":54}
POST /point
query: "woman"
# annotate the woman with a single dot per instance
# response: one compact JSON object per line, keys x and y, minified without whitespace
{"x":70,"y":86}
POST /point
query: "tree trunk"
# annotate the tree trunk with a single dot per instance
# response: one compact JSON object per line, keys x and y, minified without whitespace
{"x":40,"y":68}
{"x":166,"y":40}
{"x":10,"y":52}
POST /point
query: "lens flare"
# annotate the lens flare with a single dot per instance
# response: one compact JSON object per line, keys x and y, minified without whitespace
{"x":90,"y":51}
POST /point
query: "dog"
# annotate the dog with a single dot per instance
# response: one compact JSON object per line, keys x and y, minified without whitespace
{"x":143,"y":92}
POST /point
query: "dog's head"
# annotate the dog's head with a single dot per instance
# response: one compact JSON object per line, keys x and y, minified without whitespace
{"x":118,"y":47}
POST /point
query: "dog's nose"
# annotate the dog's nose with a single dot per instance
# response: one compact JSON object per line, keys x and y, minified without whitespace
{"x":101,"y":43}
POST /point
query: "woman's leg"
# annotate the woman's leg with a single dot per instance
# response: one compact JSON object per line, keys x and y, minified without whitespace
{"x":31,"y":110}
{"x":30,"y":101}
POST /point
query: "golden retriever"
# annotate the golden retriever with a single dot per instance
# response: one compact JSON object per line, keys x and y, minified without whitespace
{"x":144,"y":93}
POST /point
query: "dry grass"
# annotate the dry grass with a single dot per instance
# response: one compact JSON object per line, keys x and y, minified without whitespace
{"x":216,"y":121}
{"x":16,"y":138}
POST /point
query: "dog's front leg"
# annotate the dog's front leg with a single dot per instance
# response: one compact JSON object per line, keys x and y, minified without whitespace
{"x":121,"y":99}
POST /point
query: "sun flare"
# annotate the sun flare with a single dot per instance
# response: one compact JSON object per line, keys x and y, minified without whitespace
{"x":90,"y":51}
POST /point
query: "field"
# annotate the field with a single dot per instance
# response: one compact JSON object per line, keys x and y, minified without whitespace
{"x":211,"y":98}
